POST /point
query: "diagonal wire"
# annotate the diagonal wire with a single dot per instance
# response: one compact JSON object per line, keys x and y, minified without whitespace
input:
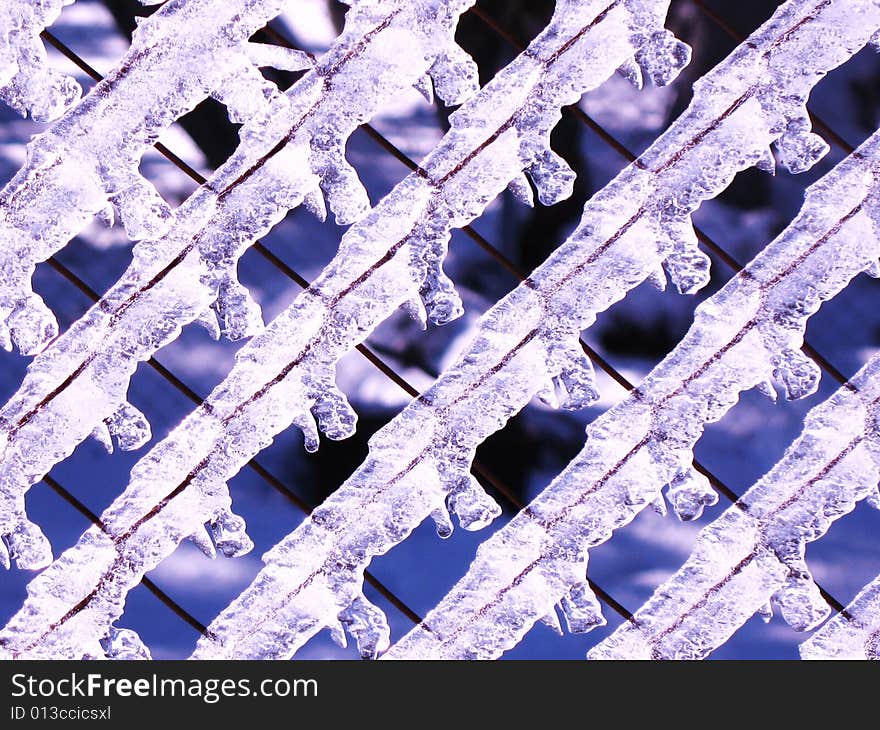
{"x":710,"y":244}
{"x":254,"y":464}
{"x":66,"y":495}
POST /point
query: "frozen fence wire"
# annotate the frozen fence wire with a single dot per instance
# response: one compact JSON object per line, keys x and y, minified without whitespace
{"x":754,"y":552}
{"x":853,"y":633}
{"x":422,"y":457}
{"x":468,"y":169}
{"x":292,"y":146}
{"x":742,"y":337}
{"x":568,"y":375}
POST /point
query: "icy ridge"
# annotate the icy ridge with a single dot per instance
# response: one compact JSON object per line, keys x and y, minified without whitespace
{"x":292,"y":150}
{"x":86,"y":163}
{"x":27,"y":84}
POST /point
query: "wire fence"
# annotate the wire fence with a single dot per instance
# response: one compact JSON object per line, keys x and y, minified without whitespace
{"x":483,"y":471}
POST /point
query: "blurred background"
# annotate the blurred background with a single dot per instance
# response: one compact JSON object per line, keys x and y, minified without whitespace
{"x":633,"y":336}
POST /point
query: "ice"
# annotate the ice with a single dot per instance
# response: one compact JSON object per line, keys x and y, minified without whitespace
{"x":510,"y":356}
{"x":419,"y":464}
{"x":333,"y":315}
{"x":88,"y":159}
{"x":27,"y":83}
{"x":754,"y":552}
{"x":190,"y":273}
{"x":852,"y":634}
{"x":647,"y":439}
{"x":407,"y":234}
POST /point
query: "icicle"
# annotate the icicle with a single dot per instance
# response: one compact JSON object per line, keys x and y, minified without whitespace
{"x":208,"y":320}
{"x":106,"y":215}
{"x":101,"y":434}
{"x":799,"y":601}
{"x":766,"y":612}
{"x":442,"y":522}
{"x":124,"y":644}
{"x":688,"y":267}
{"x":689,"y":493}
{"x":575,"y":386}
{"x":582,"y":610}
{"x":798,"y":374}
{"x":552,"y":621}
{"x":522,"y":190}
{"x":468,"y":500}
{"x":343,"y":191}
{"x":553,"y":177}
{"x":767,"y":162}
{"x":337,"y":634}
{"x":632,"y":72}
{"x":305,"y":422}
{"x":765,"y":388}
{"x":32,"y":326}
{"x":873,"y":269}
{"x":228,"y":533}
{"x":415,"y":308}
{"x":313,"y":201}
{"x":798,"y":149}
{"x":201,"y":538}
{"x":336,"y":418}
{"x":658,"y":504}
{"x":367,"y":626}
{"x":548,"y":394}
{"x":141,"y":209}
{"x":28,"y":546}
{"x":425,"y":86}
{"x":455,"y":75}
{"x":237,"y":312}
{"x":657,"y":279}
{"x":245,"y":93}
{"x":442,"y":302}
{"x":129,"y":426}
{"x":663,"y":58}
{"x":27,"y":83}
